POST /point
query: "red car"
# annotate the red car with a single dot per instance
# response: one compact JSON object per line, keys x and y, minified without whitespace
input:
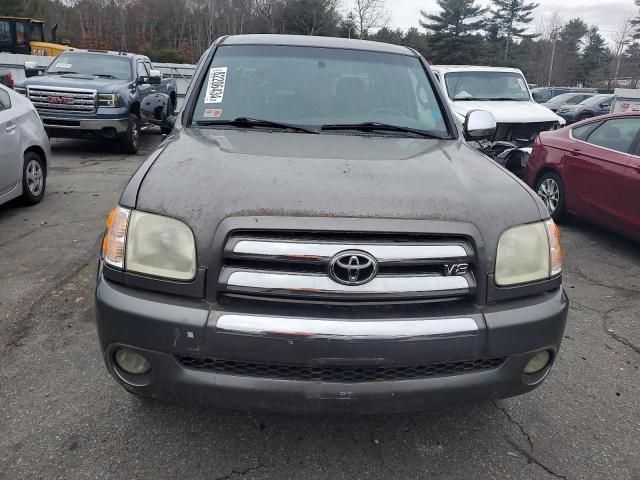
{"x":591,"y":169}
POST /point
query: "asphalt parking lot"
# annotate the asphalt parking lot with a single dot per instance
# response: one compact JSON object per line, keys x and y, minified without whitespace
{"x":62,"y":416}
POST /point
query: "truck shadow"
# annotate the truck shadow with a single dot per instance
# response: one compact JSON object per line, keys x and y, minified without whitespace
{"x":89,"y":146}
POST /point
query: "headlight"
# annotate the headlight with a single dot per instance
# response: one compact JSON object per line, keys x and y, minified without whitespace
{"x":528,"y":253}
{"x":20,"y":90}
{"x":109,"y":100}
{"x":150,"y":244}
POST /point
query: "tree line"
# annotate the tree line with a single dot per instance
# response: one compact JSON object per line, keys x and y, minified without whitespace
{"x":552,"y":51}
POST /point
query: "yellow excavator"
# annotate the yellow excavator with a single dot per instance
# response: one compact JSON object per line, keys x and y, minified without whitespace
{"x":26,"y":36}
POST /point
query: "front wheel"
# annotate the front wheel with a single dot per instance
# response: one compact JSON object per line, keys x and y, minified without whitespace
{"x":34,"y":180}
{"x":551,"y":190}
{"x":131,"y":142}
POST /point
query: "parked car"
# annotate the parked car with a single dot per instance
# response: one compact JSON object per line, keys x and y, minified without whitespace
{"x":504,"y":93}
{"x":591,"y":169}
{"x":591,"y":107}
{"x":96,"y":93}
{"x":318,"y":236}
{"x":544,"y":94}
{"x":25,"y":152}
{"x":566,"y":99}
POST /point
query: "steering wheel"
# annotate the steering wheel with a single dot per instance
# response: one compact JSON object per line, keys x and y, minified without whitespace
{"x":392,"y":111}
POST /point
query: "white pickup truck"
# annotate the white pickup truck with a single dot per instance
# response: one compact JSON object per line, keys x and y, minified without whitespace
{"x":504,"y":93}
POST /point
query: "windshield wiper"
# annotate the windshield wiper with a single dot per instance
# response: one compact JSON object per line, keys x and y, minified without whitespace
{"x":246,"y":122}
{"x":60,"y":73}
{"x":103,"y":75}
{"x":373,"y":126}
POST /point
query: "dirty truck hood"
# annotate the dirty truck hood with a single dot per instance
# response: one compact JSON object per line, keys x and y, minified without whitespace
{"x":206,"y":175}
{"x":509,"y":112}
{"x":74,"y":81}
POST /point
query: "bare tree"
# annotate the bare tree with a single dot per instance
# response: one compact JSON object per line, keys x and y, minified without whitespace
{"x":370,"y":14}
{"x":622,"y":38}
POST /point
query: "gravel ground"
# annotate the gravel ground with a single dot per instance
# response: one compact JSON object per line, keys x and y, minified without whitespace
{"x":62,"y":416}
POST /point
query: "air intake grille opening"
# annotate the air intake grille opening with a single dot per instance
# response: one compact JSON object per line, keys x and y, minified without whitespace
{"x":337,"y":374}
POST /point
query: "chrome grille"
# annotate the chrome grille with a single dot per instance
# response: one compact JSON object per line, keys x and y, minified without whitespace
{"x":409,"y":268}
{"x":63,"y":99}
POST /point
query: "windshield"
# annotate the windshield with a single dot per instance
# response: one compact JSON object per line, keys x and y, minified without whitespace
{"x":312,"y":87}
{"x":36,"y":32}
{"x":481,"y":85}
{"x":595,"y":100}
{"x":565,"y":97}
{"x":110,"y":66}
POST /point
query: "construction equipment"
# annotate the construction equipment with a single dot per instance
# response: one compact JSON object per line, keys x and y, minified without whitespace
{"x":26,"y":36}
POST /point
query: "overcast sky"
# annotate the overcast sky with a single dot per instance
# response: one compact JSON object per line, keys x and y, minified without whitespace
{"x":607,"y":14}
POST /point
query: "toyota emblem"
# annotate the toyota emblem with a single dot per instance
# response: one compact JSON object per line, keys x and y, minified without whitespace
{"x":353,"y":267}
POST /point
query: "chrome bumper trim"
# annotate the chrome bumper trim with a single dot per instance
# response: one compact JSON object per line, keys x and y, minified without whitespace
{"x":345,"y":330}
{"x":119,"y":124}
{"x":299,"y":250}
{"x":321,"y":285}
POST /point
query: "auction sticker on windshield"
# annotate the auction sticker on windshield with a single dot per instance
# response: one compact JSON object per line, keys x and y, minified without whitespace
{"x":215,"y":85}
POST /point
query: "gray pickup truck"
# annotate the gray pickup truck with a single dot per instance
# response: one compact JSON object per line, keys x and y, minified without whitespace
{"x":318,"y":235}
{"x":96,"y":93}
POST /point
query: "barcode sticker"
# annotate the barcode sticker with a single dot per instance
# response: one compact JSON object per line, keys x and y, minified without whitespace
{"x":215,"y":85}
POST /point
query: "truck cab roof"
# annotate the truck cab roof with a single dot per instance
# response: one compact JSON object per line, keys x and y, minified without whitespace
{"x":472,"y":68}
{"x":322,"y":42}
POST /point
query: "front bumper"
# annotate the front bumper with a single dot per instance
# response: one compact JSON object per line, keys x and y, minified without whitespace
{"x":570,"y":117}
{"x":165,"y":329}
{"x":106,"y":124}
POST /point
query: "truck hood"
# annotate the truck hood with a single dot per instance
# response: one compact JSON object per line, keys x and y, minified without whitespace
{"x":508,"y":112}
{"x":104,"y":85}
{"x":203,"y":176}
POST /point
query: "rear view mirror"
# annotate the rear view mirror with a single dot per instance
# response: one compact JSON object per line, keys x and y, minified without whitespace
{"x":479,"y":124}
{"x":155,"y":77}
{"x":31,"y":69}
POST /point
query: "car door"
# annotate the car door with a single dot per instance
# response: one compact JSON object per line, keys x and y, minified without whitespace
{"x":597,"y":169}
{"x":631,"y":192}
{"x":9,"y":140}
{"x":604,"y":107}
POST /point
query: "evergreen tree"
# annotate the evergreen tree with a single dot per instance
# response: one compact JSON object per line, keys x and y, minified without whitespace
{"x":636,"y":22}
{"x":455,"y":37}
{"x":458,"y":18}
{"x":11,"y":7}
{"x":595,"y":57}
{"x":567,"y":60}
{"x":511,"y":17}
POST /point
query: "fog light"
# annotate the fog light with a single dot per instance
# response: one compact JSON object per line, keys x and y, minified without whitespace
{"x":131,"y":362}
{"x":537,"y":363}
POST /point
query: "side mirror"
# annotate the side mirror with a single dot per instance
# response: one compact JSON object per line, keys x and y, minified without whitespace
{"x":479,"y":124}
{"x":155,"y":77}
{"x":31,"y":69}
{"x":155,"y":109}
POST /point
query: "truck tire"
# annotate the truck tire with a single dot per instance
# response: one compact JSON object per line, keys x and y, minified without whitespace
{"x":131,"y":141}
{"x":34,"y":179}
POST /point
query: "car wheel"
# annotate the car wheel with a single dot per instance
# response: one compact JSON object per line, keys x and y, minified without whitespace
{"x":551,"y":190}
{"x":132,"y":137}
{"x":34,"y":179}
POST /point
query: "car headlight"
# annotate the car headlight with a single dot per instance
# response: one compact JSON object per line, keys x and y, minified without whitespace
{"x":20,"y":90}
{"x":150,"y":244}
{"x":111,"y":100}
{"x":528,"y":253}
